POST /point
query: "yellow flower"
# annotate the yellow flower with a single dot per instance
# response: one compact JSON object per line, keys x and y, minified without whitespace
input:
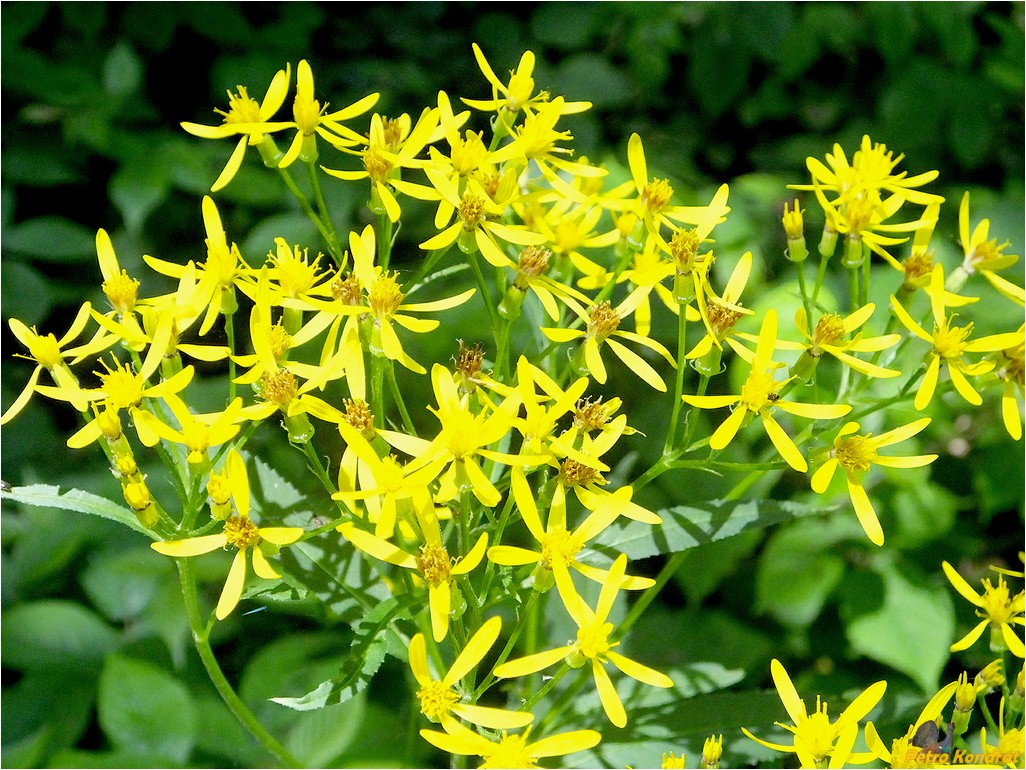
{"x":508,"y":750}
{"x":442,"y":699}
{"x":247,"y":537}
{"x":431,"y":561}
{"x":903,"y":753}
{"x":672,"y":761}
{"x":222,"y":271}
{"x":829,"y":337}
{"x":121,"y":290}
{"x":982,"y":254}
{"x":721,"y":313}
{"x":871,"y":170}
{"x":759,"y":397}
{"x":999,"y":610}
{"x":602,"y":322}
{"x":463,"y":438}
{"x":712,"y":751}
{"x":558,"y":547}
{"x":312,"y":119}
{"x":856,"y":454}
{"x":816,"y":738}
{"x":518,"y":94}
{"x":248,"y":118}
{"x":950,"y":343}
{"x":391,"y":147}
{"x":199,"y":432}
{"x":592,"y":645}
{"x":50,"y":353}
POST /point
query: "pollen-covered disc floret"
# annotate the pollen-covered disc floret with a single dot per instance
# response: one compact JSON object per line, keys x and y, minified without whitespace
{"x":434,"y":564}
{"x":559,"y":546}
{"x":603,"y":321}
{"x":575,"y":474}
{"x":593,"y":640}
{"x":385,"y":297}
{"x":122,"y":291}
{"x":241,"y":532}
{"x":471,"y":211}
{"x":829,"y":329}
{"x":855,"y":453}
{"x":278,"y":387}
{"x":242,"y":108}
{"x":436,"y":700}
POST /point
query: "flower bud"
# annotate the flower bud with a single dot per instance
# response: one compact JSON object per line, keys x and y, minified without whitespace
{"x":965,"y":700}
{"x":854,"y":252}
{"x":794,"y":229}
{"x":138,"y":497}
{"x":672,"y":761}
{"x":109,"y":423}
{"x":713,"y":749}
{"x":828,"y":241}
{"x":990,"y":677}
{"x":512,"y":302}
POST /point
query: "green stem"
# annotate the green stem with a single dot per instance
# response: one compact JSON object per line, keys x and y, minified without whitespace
{"x":639,"y":606}
{"x":229,"y":328}
{"x":384,"y":241}
{"x":201,"y":637}
{"x":853,"y":287}
{"x":393,"y":385}
{"x":304,"y":204}
{"x":493,"y":310}
{"x":806,"y":300}
{"x":331,"y":236}
{"x":678,"y":382}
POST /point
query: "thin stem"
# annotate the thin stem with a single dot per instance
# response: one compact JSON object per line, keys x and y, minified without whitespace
{"x":639,"y":606}
{"x":304,"y":203}
{"x":201,"y":637}
{"x":393,"y":385}
{"x":229,"y":328}
{"x":329,"y":229}
{"x":678,"y":382}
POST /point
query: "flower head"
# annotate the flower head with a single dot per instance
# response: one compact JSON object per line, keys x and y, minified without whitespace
{"x":508,"y":750}
{"x":1000,"y":610}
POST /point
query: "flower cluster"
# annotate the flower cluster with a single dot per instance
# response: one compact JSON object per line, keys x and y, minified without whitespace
{"x":493,"y":507}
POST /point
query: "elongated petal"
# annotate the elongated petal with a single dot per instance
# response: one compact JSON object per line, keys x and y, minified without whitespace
{"x":822,"y":477}
{"x":969,"y":639}
{"x":493,"y":718}
{"x":473,"y":558}
{"x":232,"y":591}
{"x":908,"y":321}
{"x":813,"y":411}
{"x":864,"y":510}
{"x":281,"y":535}
{"x":512,"y":556}
{"x":482,"y":488}
{"x":23,"y":397}
{"x":724,"y":434}
{"x":636,"y":160}
{"x":965,"y":390}
{"x":638,"y":365}
{"x":636,"y":670}
{"x":444,"y":238}
{"x":929,"y":384}
{"x":909,"y":461}
{"x":565,"y":743}
{"x":231,"y":168}
{"x":530,"y":663}
{"x":793,"y":704}
{"x":439,"y":599}
{"x":418,"y":660}
{"x":379,"y":549}
{"x":262,"y":567}
{"x":775,"y":746}
{"x":611,"y":703}
{"x":961,"y":585}
{"x":524,"y":498}
{"x":475,"y":650}
{"x":710,"y":402}
{"x":1015,"y":644}
{"x":900,"y":434}
{"x":787,"y":448}
{"x":862,"y":705}
{"x":193,"y":546}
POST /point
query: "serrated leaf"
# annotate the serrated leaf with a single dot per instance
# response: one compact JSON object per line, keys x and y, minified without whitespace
{"x":122,"y":71}
{"x":143,"y":708}
{"x":366,"y":654}
{"x":50,"y":496}
{"x":688,"y":526}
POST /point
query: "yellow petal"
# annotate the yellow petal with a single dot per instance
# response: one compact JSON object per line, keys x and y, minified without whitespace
{"x":281,"y":535}
{"x":262,"y":567}
{"x":439,"y":599}
{"x":728,"y":429}
{"x":611,"y":703}
{"x":787,"y":448}
{"x":192,"y":546}
{"x":565,"y":743}
{"x":472,"y":559}
{"x":493,"y":718}
{"x":231,"y":168}
{"x":475,"y":650}
{"x":530,"y":663}
{"x":788,"y":694}
{"x":636,"y":670}
{"x":232,"y":591}
{"x":418,"y":660}
{"x":864,"y":510}
{"x":961,"y":585}
{"x":822,"y":477}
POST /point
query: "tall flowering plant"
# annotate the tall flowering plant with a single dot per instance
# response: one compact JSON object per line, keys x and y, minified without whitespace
{"x":493,"y":531}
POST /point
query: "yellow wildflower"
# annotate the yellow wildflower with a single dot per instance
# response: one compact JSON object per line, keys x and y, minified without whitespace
{"x":508,"y":750}
{"x":999,"y":609}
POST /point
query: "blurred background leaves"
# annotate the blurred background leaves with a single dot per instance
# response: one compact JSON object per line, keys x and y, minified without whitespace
{"x":95,"y":649}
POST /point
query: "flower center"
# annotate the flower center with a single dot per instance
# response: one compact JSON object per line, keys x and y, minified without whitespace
{"x":603,"y":321}
{"x":511,"y":752}
{"x":45,"y":350}
{"x":758,"y":390}
{"x":918,"y":265}
{"x":656,"y":195}
{"x":281,"y":341}
{"x":828,"y":329}
{"x":121,"y":291}
{"x":575,"y":474}
{"x":855,"y":453}
{"x":684,"y":250}
{"x":997,"y":604}
{"x":219,"y":489}
{"x":593,"y":640}
{"x":949,"y":340}
{"x":1014,"y":367}
{"x":534,"y":260}
{"x":347,"y":290}
{"x":222,"y":262}
{"x":433,"y":563}
{"x":721,"y":317}
{"x":278,"y":387}
{"x":817,"y":733}
{"x":590,"y":415}
{"x":242,"y":108}
{"x":295,"y":274}
{"x":559,"y":546}
{"x":469,"y":361}
{"x":358,"y":414}
{"x":241,"y":532}
{"x":385,"y":296}
{"x":377,"y":165}
{"x":472,"y":211}
{"x":124,"y":388}
{"x":469,"y":153}
{"x":436,"y":700}
{"x":984,"y":253}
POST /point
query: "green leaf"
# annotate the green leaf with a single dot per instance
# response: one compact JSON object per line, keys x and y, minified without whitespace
{"x":366,"y":654}
{"x":38,"y":635}
{"x":122,"y":71}
{"x":142,"y":708}
{"x":121,"y":584}
{"x":591,"y":77}
{"x":26,"y":293}
{"x":138,"y":187}
{"x":320,"y":737}
{"x":902,"y":620}
{"x":76,"y":500}
{"x":49,"y":709}
{"x":687,"y":526}
{"x":51,"y":239}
